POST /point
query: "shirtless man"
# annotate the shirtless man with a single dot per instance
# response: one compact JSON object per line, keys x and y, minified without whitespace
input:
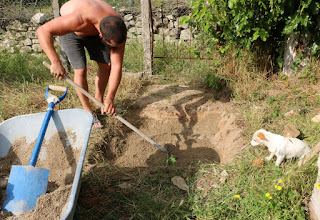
{"x":93,"y":24}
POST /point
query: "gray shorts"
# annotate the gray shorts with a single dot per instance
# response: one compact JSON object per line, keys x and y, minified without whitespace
{"x":73,"y":46}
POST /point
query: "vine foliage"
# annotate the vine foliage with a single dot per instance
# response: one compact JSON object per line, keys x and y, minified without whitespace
{"x":250,"y":24}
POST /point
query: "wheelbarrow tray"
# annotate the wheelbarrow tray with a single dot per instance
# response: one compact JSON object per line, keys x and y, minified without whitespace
{"x":77,"y":120}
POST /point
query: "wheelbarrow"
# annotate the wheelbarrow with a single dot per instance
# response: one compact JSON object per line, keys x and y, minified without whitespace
{"x":76,"y":120}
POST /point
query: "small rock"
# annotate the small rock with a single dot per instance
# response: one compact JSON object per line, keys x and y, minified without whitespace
{"x":27,"y":42}
{"x":186,"y":34}
{"x":128,"y":17}
{"x":224,"y":173}
{"x":223,"y":177}
{"x":291,"y":131}
{"x":179,"y":182}
{"x":39,"y":18}
{"x":25,"y":49}
{"x":316,"y":119}
{"x":290,"y":114}
{"x":36,"y":48}
{"x":216,"y":185}
{"x":125,"y":185}
{"x":170,"y":17}
{"x":35,"y":41}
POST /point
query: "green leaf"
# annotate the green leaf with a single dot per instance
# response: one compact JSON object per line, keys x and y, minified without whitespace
{"x":230,"y":4}
{"x":289,"y":28}
{"x":206,"y":27}
{"x":183,"y":20}
{"x":255,"y":35}
{"x":280,"y":61}
{"x":293,"y":24}
{"x":315,"y":48}
{"x":304,"y":20}
{"x":264,"y":34}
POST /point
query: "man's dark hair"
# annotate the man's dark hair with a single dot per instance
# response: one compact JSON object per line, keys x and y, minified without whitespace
{"x":113,"y":28}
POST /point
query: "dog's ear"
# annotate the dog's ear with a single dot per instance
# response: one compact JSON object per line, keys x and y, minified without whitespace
{"x":261,"y":136}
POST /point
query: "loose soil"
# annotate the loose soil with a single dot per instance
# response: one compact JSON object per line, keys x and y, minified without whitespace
{"x":188,"y":123}
{"x":56,"y":155}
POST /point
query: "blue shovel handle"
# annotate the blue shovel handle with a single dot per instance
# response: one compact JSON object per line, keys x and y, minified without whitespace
{"x":36,"y":149}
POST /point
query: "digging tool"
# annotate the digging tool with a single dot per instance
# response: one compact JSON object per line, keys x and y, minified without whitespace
{"x":27,"y":183}
{"x":117,"y":116}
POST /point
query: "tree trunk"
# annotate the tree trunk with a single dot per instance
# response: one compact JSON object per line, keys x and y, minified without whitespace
{"x":289,"y":53}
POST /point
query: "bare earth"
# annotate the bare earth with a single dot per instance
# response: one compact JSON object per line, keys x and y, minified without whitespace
{"x":190,"y":126}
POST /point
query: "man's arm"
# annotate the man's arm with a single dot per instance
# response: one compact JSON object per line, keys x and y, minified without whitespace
{"x":56,"y":27}
{"x":116,"y":56}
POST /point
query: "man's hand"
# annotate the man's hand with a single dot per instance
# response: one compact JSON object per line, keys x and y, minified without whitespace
{"x":109,"y":107}
{"x":58,"y":71}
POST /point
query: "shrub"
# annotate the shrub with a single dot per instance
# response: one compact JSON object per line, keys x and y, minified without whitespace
{"x":262,"y":24}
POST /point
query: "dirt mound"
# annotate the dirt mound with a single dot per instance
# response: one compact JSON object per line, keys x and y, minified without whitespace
{"x":190,"y":125}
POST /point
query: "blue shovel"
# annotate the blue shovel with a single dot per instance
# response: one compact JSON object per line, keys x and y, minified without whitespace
{"x":27,"y":183}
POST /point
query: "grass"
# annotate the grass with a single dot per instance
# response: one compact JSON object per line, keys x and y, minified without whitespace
{"x":123,"y":193}
{"x":253,"y":192}
{"x":231,"y":191}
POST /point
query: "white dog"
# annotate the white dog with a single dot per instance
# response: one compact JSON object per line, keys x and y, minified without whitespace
{"x":282,"y":147}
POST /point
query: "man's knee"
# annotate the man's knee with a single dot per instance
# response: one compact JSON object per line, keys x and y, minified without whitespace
{"x":104,"y":65}
{"x":103,"y":68}
{"x":81,"y":73}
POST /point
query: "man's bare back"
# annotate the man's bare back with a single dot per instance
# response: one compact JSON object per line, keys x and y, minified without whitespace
{"x":88,"y":14}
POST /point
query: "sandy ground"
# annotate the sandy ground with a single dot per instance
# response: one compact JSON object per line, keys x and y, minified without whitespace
{"x":188,"y":123}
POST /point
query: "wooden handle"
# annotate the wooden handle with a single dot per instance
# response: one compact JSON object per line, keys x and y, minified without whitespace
{"x":118,"y":117}
{"x":46,"y":64}
{"x":57,"y":88}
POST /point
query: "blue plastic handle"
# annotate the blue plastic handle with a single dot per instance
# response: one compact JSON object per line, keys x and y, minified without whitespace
{"x":60,"y":98}
{"x":37,"y":146}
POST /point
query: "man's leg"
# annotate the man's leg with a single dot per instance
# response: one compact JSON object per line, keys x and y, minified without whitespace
{"x":101,"y":80}
{"x":80,"y":78}
{"x":74,"y":48}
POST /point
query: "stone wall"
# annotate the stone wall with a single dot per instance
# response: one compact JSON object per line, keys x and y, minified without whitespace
{"x":164,"y":27}
{"x":22,"y":36}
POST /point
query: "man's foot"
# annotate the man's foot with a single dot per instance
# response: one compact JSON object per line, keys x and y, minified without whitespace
{"x":96,"y":124}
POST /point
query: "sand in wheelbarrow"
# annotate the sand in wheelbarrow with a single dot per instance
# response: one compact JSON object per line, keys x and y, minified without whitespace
{"x":60,"y":158}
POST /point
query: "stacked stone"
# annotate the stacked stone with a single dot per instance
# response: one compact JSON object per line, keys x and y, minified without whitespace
{"x":164,"y":27}
{"x":22,"y":36}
